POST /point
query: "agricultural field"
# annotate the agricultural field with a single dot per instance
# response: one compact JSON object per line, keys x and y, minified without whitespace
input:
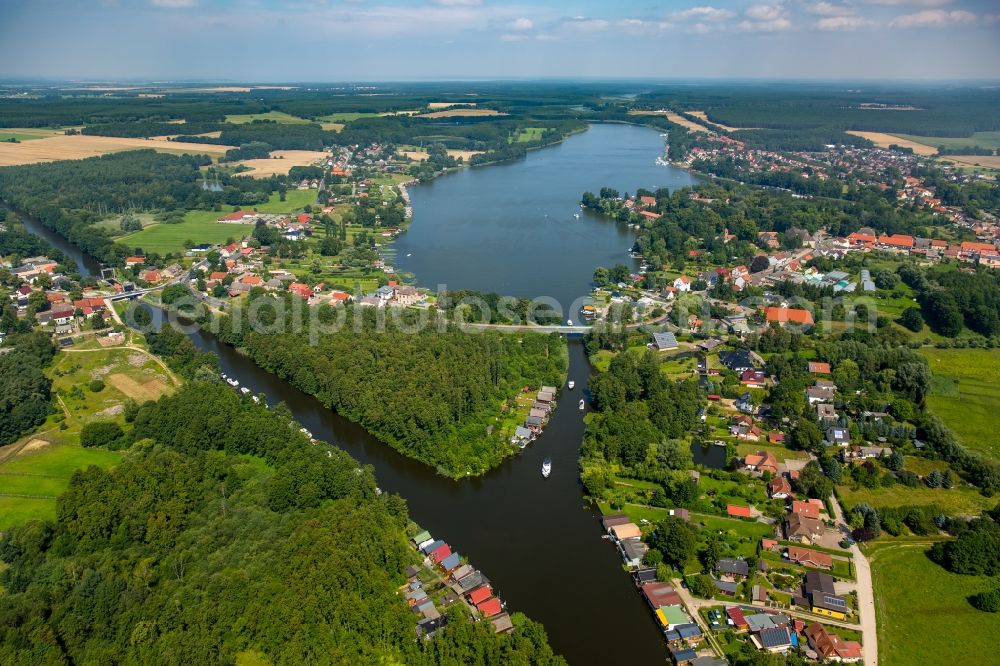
{"x":701,"y":115}
{"x":980,"y":139}
{"x":281,"y":161}
{"x":913,"y":618}
{"x":464,"y":112}
{"x":988,"y":162}
{"x":883,"y":140}
{"x":965,"y":394}
{"x":960,"y":500}
{"x":79,"y":146}
{"x":276,"y":116}
{"x":345,"y":117}
{"x":674,"y":118}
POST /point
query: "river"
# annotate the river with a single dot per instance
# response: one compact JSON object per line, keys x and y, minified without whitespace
{"x":534,"y":538}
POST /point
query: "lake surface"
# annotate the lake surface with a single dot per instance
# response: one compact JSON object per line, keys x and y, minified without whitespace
{"x":534,"y":538}
{"x":510,"y":228}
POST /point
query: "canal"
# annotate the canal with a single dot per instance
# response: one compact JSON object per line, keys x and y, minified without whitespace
{"x":534,"y":538}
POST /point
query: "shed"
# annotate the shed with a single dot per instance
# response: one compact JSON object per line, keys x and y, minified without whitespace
{"x":626,"y":531}
{"x":440,"y":552}
{"x":422,"y":537}
{"x":502,"y":623}
{"x":427,"y":548}
{"x":462,"y":572}
{"x":480,"y":594}
{"x":451,"y":562}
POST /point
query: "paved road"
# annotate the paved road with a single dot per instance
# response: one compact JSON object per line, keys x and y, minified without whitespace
{"x":866,"y":597}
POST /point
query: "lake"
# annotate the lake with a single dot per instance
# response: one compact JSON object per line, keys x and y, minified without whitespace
{"x":510,"y":227}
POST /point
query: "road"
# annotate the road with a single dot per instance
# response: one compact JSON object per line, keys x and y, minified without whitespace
{"x":866,"y":596}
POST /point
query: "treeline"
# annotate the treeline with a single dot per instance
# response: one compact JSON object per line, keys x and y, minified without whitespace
{"x":951,"y":301}
{"x":741,"y":170}
{"x":68,"y":197}
{"x":143,"y":129}
{"x":139,"y":564}
{"x":59,"y":109}
{"x":640,"y":422}
{"x":433,"y":395}
{"x":24,"y":389}
{"x":499,"y":309}
{"x":16,"y":242}
{"x":280,"y":136}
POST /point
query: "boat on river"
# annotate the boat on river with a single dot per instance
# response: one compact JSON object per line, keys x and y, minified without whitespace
{"x":570,"y":384}
{"x":569,"y":322}
{"x":546,"y":468}
{"x":582,"y":405}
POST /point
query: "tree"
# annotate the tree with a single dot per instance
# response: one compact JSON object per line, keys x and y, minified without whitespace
{"x":895,"y":461}
{"x":601,"y":276}
{"x":942,"y":313}
{"x":806,"y":436}
{"x":988,"y":601}
{"x":96,"y":385}
{"x":676,"y":540}
{"x":812,"y":482}
{"x":912,"y":319}
{"x":933,"y":479}
{"x":101,"y":433}
{"x":702,"y":586}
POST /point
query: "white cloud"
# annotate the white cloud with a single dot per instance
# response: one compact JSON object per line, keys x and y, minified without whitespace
{"x":933,"y":18}
{"x":765,"y":12}
{"x":705,"y":13}
{"x":173,"y":4}
{"x":916,"y":3}
{"x":775,"y":25}
{"x":829,"y":9}
{"x":458,"y":3}
{"x":639,"y":24}
{"x":522,"y":24}
{"x":586,"y":24}
{"x":843,"y":23}
{"x":509,"y":37}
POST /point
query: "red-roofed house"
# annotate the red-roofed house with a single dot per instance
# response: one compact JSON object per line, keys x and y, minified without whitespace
{"x":789,"y":315}
{"x":819,"y":368}
{"x":151,"y":276}
{"x":780,"y":488}
{"x":831,"y":646}
{"x":480,"y":594}
{"x":807,"y":509}
{"x":303,"y":217}
{"x":440,"y":552}
{"x":763,"y":461}
{"x":134,"y":261}
{"x":650,"y":215}
{"x":896,"y":242}
{"x":217,"y":275}
{"x":490,"y":607}
{"x":737,"y":511}
{"x":252,"y":280}
{"x":810,"y":558}
{"x":736,"y":616}
{"x":859,"y":239}
{"x":301,"y":289}
{"x":237,"y":217}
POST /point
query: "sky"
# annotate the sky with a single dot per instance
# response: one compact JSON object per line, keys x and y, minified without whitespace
{"x":398,"y":40}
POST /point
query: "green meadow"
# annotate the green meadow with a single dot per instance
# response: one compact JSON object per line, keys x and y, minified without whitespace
{"x":965,"y":394}
{"x":276,"y":116}
{"x":980,"y":139}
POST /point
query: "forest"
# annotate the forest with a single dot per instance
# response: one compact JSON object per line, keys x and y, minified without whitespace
{"x":432,"y":393}
{"x":641,"y":421}
{"x":24,"y":388}
{"x":139,"y":564}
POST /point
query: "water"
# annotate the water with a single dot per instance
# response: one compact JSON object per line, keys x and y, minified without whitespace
{"x":534,"y":538}
{"x":510,"y":228}
{"x":709,"y":455}
{"x":86,"y":265}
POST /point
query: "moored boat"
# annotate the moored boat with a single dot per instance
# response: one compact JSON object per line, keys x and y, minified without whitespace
{"x":570,"y":384}
{"x":582,"y":405}
{"x":546,"y":468}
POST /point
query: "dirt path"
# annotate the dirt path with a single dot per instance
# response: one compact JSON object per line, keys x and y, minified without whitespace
{"x":153,"y":357}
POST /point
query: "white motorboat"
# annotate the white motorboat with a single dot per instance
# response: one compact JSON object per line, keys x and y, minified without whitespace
{"x":546,"y":468}
{"x":582,"y":405}
{"x":569,"y":322}
{"x":577,"y":216}
{"x":570,"y":384}
{"x":233,"y":382}
{"x":244,"y":390}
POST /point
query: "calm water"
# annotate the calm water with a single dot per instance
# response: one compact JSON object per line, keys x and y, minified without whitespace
{"x":535,"y":538}
{"x":510,"y":228}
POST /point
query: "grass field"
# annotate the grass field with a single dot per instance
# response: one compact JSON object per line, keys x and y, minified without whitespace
{"x":780,"y":452}
{"x":276,"y":116}
{"x":922,"y":612}
{"x":883,"y":140}
{"x":529,"y":134}
{"x":965,"y":394}
{"x":200,"y":226}
{"x":961,"y":499}
{"x":345,"y":117}
{"x":78,"y":147}
{"x":980,"y":139}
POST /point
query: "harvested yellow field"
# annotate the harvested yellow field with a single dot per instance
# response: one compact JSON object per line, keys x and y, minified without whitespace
{"x":701,"y":115}
{"x":883,"y":140}
{"x":281,"y":161}
{"x":464,"y":111}
{"x":416,"y":155}
{"x":445,"y":105}
{"x":672,"y":117}
{"x":988,"y":161}
{"x":336,"y":127}
{"x":140,"y":392}
{"x":464,"y":154}
{"x":80,"y":146}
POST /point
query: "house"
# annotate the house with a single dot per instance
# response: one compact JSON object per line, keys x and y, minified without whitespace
{"x":807,"y":509}
{"x":610,"y":521}
{"x":733,"y":568}
{"x":441,"y":552}
{"x":660,"y":594}
{"x":809,"y":558}
{"x":776,"y":437}
{"x":826,"y":413}
{"x":480,"y":594}
{"x":406,"y":296}
{"x":779,"y":488}
{"x":819,"y":368}
{"x":683,"y":283}
{"x":647,"y":201}
{"x":837,"y":437}
{"x":625,"y":531}
{"x":664,"y":341}
{"x":803,"y":528}
{"x":672,"y":616}
{"x":784,"y":316}
{"x":819,"y":589}
{"x":238,"y":217}
{"x":831,"y":646}
{"x":683,"y":656}
{"x":737,"y":361}
{"x":859,"y":453}
{"x":819,"y":394}
{"x":421,"y":537}
{"x":896,"y":243}
{"x":644,"y":575}
{"x":632,"y":550}
{"x":451,"y":562}
{"x":745,"y":402}
{"x":736,"y":617}
{"x":737,"y":511}
{"x":753,"y":379}
{"x":502,"y":623}
{"x":461,"y":572}
{"x":134,"y":261}
{"x":773,"y":639}
{"x":490,"y":607}
{"x":725,"y":587}
{"x":650,"y":215}
{"x":301,"y":289}
{"x":762,"y":461}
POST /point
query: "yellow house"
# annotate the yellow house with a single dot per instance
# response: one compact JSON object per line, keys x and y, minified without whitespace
{"x":829,"y":606}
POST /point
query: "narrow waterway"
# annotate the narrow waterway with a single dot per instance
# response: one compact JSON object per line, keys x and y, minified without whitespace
{"x":534,"y":538}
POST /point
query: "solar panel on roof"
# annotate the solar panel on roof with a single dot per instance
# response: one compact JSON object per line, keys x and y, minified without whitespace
{"x":834,"y":601}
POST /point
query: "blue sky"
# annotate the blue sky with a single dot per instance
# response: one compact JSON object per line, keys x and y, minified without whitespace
{"x":361,"y":40}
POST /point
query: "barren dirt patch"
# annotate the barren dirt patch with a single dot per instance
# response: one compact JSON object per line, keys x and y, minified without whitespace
{"x":140,"y":392}
{"x":672,"y":117}
{"x":464,"y":111}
